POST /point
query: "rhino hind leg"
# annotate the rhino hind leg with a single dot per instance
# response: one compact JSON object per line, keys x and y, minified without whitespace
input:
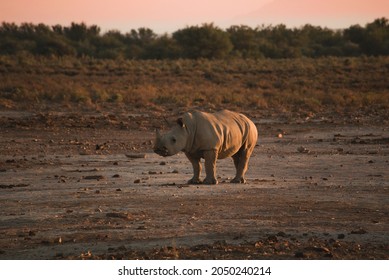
{"x":241,"y":161}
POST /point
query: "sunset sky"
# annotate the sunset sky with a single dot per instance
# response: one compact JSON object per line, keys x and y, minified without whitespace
{"x":170,"y":15}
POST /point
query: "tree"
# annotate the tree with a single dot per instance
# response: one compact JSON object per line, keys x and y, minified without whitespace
{"x":111,"y":45}
{"x":81,"y":32}
{"x":244,"y":40}
{"x":163,"y":47}
{"x":376,"y":38}
{"x":206,"y":41}
{"x":137,"y":41}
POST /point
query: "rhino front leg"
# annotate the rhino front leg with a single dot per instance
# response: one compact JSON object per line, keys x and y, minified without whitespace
{"x":210,"y":167}
{"x":196,"y":169}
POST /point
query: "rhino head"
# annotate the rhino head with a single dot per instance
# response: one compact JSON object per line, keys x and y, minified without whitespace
{"x":173,"y":141}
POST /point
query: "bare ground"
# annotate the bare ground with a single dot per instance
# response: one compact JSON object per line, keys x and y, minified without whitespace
{"x":87,"y":186}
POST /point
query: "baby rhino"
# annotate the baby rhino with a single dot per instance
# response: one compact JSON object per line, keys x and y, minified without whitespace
{"x":211,"y":136}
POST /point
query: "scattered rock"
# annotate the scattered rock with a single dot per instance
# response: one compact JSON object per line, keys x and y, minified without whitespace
{"x":116,"y":176}
{"x":135,"y":156}
{"x":318,"y":249}
{"x":272,"y":238}
{"x":137,"y":181}
{"x":94,"y":177}
{"x":359,"y":231}
{"x":125,"y":216}
{"x":302,"y":150}
{"x":11,"y":186}
{"x":141,"y":228}
{"x":101,"y":146}
{"x":341,"y":236}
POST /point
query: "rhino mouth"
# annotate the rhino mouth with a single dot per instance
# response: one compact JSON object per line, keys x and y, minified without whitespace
{"x":161,"y":152}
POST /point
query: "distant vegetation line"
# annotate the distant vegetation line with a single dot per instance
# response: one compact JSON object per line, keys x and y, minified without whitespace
{"x":194,"y":42}
{"x":299,"y":85}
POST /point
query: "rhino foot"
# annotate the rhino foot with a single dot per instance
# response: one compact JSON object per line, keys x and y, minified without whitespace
{"x":238,"y":180}
{"x":194,"y":181}
{"x":210,"y":181}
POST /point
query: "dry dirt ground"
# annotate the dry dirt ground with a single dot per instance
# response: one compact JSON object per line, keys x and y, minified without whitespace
{"x":87,"y":186}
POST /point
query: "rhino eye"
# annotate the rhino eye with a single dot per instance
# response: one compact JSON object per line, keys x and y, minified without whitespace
{"x":174,"y":140}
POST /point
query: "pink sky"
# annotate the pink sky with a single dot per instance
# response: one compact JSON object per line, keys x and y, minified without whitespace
{"x":329,"y":13}
{"x":170,"y":15}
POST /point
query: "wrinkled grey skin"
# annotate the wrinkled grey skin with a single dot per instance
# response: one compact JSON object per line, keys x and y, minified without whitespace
{"x":210,"y":136}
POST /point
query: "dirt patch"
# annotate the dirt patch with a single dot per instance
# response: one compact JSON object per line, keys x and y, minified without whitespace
{"x":88,"y":186}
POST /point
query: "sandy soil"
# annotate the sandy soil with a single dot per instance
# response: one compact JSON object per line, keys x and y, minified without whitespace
{"x":87,"y":185}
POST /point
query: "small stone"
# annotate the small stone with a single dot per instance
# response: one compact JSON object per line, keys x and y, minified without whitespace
{"x":137,"y":181}
{"x":136,"y":156}
{"x":302,"y":149}
{"x":359,"y":231}
{"x":94,"y":177}
{"x":341,"y":236}
{"x":125,"y":216}
{"x":272,"y":238}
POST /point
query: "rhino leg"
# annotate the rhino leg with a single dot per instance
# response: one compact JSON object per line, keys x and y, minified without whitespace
{"x":196,"y":169}
{"x":210,"y":167}
{"x":241,"y":161}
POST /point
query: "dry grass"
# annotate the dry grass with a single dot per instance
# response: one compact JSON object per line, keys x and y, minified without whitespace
{"x":292,"y":85}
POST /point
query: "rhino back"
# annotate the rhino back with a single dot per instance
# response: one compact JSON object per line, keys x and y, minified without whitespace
{"x":224,"y":131}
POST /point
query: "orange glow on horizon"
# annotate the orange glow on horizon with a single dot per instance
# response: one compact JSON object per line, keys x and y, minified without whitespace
{"x":170,"y":15}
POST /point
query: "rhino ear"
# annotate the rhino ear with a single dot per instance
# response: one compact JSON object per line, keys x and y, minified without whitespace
{"x":157,"y":134}
{"x":180,"y":122}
